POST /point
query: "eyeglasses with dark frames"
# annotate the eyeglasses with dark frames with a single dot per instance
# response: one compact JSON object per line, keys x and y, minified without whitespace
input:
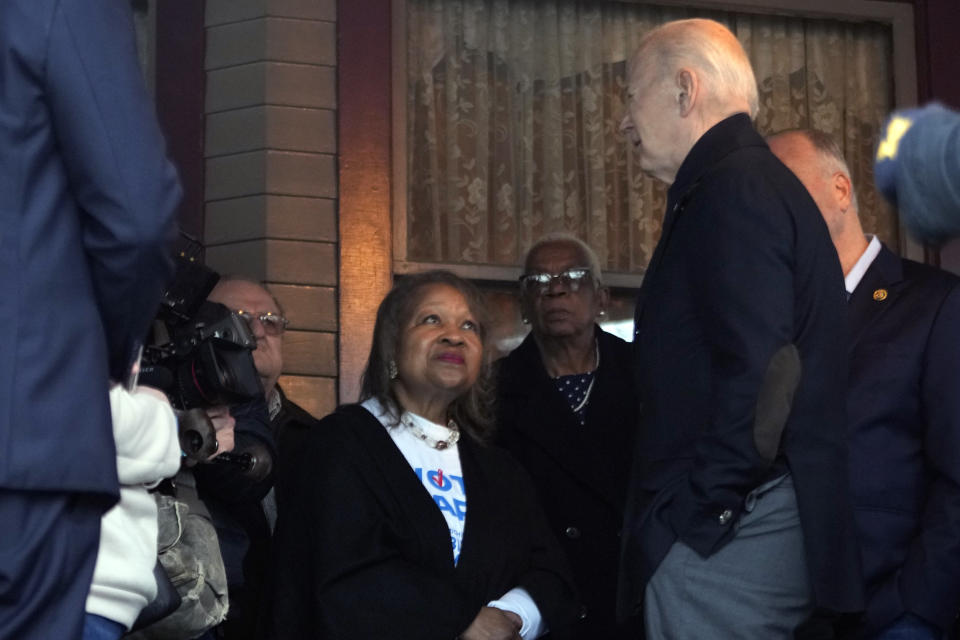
{"x":539,"y":283}
{"x":273,"y":324}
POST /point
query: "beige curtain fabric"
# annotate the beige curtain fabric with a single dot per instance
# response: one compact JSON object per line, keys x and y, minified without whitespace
{"x":513,"y":111}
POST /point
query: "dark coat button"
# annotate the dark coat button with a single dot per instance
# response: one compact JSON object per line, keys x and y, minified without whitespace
{"x":583,"y":612}
{"x":572,"y":532}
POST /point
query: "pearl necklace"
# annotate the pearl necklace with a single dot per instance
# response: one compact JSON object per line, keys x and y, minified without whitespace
{"x":410,"y":422}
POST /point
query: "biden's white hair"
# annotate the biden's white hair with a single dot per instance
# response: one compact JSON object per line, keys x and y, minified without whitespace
{"x":709,"y":47}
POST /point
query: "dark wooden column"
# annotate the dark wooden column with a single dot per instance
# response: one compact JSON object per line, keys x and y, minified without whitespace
{"x":180,"y":86}
{"x":364,"y":124}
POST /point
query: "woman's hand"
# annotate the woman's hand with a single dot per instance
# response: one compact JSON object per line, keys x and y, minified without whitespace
{"x":223,"y":424}
{"x":494,"y":624}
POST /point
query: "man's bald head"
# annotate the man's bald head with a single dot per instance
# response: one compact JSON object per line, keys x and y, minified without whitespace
{"x":816,"y":159}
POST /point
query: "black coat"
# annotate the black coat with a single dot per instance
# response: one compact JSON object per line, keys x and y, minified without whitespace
{"x":744,"y":267}
{"x":234,"y":499}
{"x":904,"y":421}
{"x":580,"y":472}
{"x":362,"y":551}
{"x":249,"y":600}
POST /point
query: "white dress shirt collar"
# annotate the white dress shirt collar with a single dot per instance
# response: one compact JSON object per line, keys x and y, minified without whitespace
{"x":856,"y":274}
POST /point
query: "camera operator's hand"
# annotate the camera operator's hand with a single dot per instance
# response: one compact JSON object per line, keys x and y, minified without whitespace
{"x":223,"y":424}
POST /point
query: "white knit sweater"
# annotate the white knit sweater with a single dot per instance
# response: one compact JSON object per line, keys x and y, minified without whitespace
{"x":145,"y":431}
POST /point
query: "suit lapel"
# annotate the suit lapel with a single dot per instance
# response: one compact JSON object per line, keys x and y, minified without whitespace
{"x":648,"y":275}
{"x":877,"y":291}
{"x":674,"y":210}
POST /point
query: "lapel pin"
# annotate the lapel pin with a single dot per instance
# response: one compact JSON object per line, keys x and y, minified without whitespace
{"x":880,"y":294}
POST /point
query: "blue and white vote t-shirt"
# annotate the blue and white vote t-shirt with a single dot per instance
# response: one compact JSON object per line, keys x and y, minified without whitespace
{"x":439,"y":472}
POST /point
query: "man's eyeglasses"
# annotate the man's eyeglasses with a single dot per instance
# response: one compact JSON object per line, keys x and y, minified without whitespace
{"x":539,"y":283}
{"x":273,"y":324}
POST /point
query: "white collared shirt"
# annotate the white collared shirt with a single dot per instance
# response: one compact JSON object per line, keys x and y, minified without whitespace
{"x":856,"y":274}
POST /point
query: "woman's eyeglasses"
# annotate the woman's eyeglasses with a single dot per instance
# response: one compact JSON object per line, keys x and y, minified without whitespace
{"x":273,"y":324}
{"x":539,"y":283}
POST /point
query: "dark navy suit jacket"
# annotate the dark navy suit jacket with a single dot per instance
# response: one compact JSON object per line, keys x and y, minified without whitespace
{"x":904,"y":421}
{"x":744,"y":267}
{"x":87,"y":198}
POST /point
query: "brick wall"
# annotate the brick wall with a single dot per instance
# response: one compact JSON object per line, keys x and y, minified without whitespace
{"x":270,"y":171}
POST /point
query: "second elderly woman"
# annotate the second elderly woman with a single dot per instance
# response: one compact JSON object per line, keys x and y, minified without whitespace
{"x":567,"y":411}
{"x":402,"y":522}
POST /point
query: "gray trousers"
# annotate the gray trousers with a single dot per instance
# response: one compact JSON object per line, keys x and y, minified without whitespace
{"x":755,"y":588}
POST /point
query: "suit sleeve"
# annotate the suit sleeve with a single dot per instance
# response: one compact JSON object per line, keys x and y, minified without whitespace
{"x":929,"y":582}
{"x":742,"y":283}
{"x":230,"y":483}
{"x":113,"y":151}
{"x":339,"y":570}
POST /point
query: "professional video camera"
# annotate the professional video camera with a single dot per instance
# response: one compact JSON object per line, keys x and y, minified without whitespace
{"x":200,"y":356}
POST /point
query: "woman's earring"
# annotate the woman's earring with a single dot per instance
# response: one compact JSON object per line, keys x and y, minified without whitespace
{"x":602,"y":312}
{"x":392,"y":369}
{"x":525,"y":320}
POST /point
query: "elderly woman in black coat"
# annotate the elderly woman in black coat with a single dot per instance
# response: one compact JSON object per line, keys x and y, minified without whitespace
{"x":400,"y":520}
{"x":567,"y":411}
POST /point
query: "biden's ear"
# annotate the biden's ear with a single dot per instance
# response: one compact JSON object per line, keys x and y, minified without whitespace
{"x":688,"y":88}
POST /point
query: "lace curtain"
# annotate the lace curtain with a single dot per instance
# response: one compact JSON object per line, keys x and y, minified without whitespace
{"x":513,"y":110}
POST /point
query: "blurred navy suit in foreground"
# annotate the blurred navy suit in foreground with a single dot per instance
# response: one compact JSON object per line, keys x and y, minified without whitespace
{"x":87,"y":198}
